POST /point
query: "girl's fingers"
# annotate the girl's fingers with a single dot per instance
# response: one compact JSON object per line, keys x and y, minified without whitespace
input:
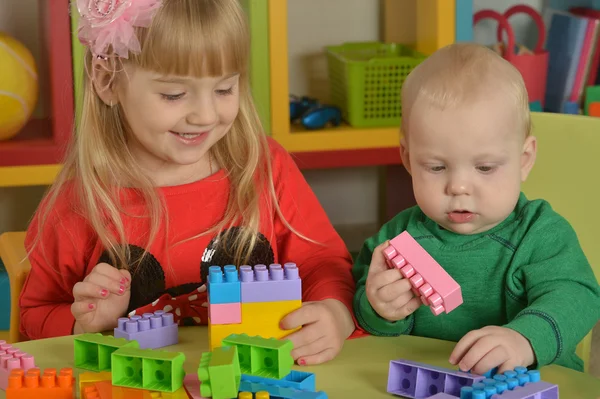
{"x":78,"y":309}
{"x":106,"y":282}
{"x":121,"y":277}
{"x":86,"y":291}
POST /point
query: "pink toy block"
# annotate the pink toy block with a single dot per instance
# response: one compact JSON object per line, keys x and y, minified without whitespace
{"x":191,"y":383}
{"x":225,"y":313}
{"x":12,"y":358}
{"x":151,"y":331}
{"x":429,"y":280}
{"x":272,"y":284}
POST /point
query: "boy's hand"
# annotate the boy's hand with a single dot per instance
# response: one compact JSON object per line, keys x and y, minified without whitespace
{"x":100,"y":299}
{"x":481,"y":350}
{"x":325,"y":326}
{"x":388,"y":292}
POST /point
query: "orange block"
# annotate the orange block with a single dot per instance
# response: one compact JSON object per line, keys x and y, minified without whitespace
{"x":98,"y":390}
{"x":594,"y":109}
{"x":105,"y":390}
{"x":89,"y":378}
{"x":31,"y":385}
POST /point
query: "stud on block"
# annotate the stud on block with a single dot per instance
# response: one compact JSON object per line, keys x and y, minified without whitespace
{"x":223,"y":285}
{"x":225,"y":313}
{"x":30,"y":384}
{"x":275,"y":283}
{"x":151,"y":331}
{"x":436,"y":288}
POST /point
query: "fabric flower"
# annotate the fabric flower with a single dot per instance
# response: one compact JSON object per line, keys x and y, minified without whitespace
{"x":111,"y":23}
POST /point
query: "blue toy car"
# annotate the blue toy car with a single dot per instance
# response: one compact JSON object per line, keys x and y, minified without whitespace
{"x":321,"y":116}
{"x":299,"y":106}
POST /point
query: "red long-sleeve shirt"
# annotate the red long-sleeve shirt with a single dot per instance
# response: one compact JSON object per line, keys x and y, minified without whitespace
{"x":72,"y":249}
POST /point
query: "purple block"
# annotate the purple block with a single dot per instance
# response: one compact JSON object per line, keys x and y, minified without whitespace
{"x":442,"y":395}
{"x":271,"y":284}
{"x":420,"y":381}
{"x":151,"y":331}
{"x":535,"y":390}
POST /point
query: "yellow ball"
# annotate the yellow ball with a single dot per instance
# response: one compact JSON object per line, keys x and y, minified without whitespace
{"x":18,"y":86}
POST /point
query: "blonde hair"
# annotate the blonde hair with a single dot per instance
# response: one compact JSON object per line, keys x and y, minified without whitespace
{"x":463,"y":73}
{"x":186,"y":37}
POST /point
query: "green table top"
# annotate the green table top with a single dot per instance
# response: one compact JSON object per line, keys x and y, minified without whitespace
{"x":360,"y":371}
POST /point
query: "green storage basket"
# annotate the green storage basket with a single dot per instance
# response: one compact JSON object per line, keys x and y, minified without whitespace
{"x":366,"y":78}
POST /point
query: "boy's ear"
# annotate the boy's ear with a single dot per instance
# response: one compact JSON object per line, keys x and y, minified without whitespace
{"x":528,"y":156}
{"x":103,"y":78}
{"x":404,"y":154}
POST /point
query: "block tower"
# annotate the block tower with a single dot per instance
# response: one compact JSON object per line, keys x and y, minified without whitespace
{"x":251,"y":300}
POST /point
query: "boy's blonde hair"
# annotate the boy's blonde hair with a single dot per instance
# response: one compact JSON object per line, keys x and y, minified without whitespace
{"x":187,"y":38}
{"x":460,"y":74}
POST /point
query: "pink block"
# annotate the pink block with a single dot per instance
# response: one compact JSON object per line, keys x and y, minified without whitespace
{"x":12,"y":358}
{"x":192,"y":386}
{"x":429,"y":280}
{"x":225,"y":313}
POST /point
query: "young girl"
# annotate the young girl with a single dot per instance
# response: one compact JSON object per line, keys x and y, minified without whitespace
{"x":170,"y":173}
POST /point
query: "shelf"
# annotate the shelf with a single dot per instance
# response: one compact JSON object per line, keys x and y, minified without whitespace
{"x":338,"y":138}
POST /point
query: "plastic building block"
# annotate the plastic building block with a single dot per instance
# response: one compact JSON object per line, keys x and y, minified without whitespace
{"x":89,"y":378}
{"x":98,"y":390}
{"x":301,"y":380}
{"x":93,"y":351}
{"x":592,"y":95}
{"x":419,"y":380}
{"x":223,"y":285}
{"x":499,"y":390}
{"x":151,"y":331}
{"x":503,"y":384}
{"x":594,"y":109}
{"x":270,"y":285}
{"x":148,"y":369}
{"x":258,"y":318}
{"x":105,"y":390}
{"x":259,"y":395}
{"x":225,"y":313}
{"x":219,"y":372}
{"x":535,"y":106}
{"x":429,"y":280}
{"x":30,"y":384}
{"x":442,"y":395}
{"x":571,"y":108}
{"x":263,"y":357}
{"x":12,"y":358}
{"x":192,"y":385}
{"x":464,"y":21}
{"x":280,"y":392}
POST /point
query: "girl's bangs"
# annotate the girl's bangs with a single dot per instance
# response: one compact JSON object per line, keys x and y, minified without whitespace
{"x":198,"y":38}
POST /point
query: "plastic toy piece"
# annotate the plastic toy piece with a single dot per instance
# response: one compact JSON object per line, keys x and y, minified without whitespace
{"x":151,"y":331}
{"x":503,"y":384}
{"x":89,"y":378}
{"x":262,"y":357}
{"x":98,"y":390}
{"x":93,"y":351}
{"x":148,"y":369}
{"x":258,"y":318}
{"x":280,"y":392}
{"x":12,"y":358}
{"x":442,"y":395}
{"x":592,"y":95}
{"x":300,"y":380}
{"x":225,"y":313}
{"x":429,"y":280}
{"x":594,"y":109}
{"x":30,"y":384}
{"x":270,"y":285}
{"x":321,"y":116}
{"x":419,"y":380}
{"x":499,"y":390}
{"x":223,"y":285}
{"x":219,"y":372}
{"x":105,"y":390}
{"x":192,"y":385}
{"x":259,"y":395}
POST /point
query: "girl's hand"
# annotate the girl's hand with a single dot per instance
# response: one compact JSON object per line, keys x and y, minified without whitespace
{"x":100,"y":299}
{"x":325,"y":326}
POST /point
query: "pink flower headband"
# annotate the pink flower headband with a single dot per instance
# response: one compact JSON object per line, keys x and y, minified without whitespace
{"x":106,"y":23}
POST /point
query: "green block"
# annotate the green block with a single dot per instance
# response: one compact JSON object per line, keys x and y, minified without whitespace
{"x":220,"y":374}
{"x":262,"y":357}
{"x":93,"y":351}
{"x":592,"y":95}
{"x":148,"y":369}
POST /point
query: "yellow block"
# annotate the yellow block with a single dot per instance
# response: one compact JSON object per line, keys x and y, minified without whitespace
{"x":86,"y":379}
{"x":260,"y":318}
{"x":436,"y":24}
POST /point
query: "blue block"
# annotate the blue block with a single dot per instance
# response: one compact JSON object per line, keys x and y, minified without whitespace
{"x":224,"y":285}
{"x":4,"y":300}
{"x":464,"y":21}
{"x":276,"y":392}
{"x":300,"y":380}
